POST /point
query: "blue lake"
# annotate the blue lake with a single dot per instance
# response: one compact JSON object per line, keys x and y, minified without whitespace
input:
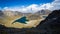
{"x":21,"y":20}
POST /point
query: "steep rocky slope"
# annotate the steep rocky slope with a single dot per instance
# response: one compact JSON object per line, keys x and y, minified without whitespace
{"x":52,"y":23}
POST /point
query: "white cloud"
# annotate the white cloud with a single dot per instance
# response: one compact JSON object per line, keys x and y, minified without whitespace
{"x":56,"y":5}
{"x":34,"y":7}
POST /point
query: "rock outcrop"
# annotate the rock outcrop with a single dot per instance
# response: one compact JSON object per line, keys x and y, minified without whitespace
{"x":52,"y":23}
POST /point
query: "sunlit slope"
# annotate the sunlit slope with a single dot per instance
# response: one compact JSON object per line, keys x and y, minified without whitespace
{"x":10,"y":17}
{"x":8,"y":22}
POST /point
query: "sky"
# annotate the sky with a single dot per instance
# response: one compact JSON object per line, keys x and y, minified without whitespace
{"x":8,"y":3}
{"x":27,"y":5}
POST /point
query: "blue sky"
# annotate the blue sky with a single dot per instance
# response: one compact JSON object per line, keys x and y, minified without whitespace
{"x":27,"y":5}
{"x":9,"y":3}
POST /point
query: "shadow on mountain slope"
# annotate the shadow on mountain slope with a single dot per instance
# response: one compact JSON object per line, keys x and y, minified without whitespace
{"x":51,"y":25}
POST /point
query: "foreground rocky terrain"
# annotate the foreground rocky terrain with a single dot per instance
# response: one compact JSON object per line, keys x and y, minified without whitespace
{"x":51,"y":25}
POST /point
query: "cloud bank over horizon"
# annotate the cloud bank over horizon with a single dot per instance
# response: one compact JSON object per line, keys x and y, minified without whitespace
{"x":55,"y":5}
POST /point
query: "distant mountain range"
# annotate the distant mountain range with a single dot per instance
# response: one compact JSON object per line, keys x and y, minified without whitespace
{"x":7,"y":17}
{"x":15,"y":13}
{"x":50,"y":25}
